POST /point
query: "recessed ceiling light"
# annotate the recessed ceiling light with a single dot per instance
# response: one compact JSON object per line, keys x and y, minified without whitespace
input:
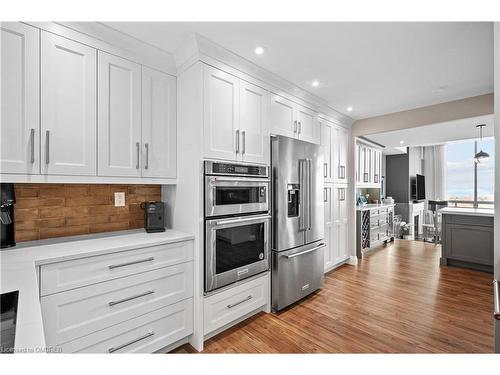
{"x":259,"y":50}
{"x":349,"y":109}
{"x":401,"y":142}
{"x":315,"y":83}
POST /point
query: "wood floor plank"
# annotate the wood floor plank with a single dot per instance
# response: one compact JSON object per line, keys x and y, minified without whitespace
{"x":396,"y":300}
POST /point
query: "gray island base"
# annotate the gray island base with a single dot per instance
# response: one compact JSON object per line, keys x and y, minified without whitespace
{"x":467,"y":238}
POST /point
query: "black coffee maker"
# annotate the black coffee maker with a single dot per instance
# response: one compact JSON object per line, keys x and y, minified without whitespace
{"x":7,"y":201}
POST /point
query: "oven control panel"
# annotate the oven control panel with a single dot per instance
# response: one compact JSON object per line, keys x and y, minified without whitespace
{"x":235,"y":169}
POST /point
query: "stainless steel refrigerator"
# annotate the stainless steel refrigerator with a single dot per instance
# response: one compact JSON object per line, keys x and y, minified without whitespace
{"x":297,"y":220}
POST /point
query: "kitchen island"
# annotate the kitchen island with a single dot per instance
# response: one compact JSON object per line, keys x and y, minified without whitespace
{"x":467,"y":238}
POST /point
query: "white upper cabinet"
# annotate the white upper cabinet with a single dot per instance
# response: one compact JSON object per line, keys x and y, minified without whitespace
{"x":282,"y":116}
{"x":368,"y":165}
{"x":307,"y":124}
{"x":119,"y":101}
{"x":253,"y":124}
{"x":68,"y":107}
{"x":159,"y":124}
{"x":326,"y":146}
{"x":221,"y":114}
{"x":340,"y":147}
{"x":19,"y":103}
{"x":293,"y":120}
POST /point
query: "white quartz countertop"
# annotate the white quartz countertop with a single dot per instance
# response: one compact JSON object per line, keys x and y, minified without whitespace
{"x":373,"y":206}
{"x":18,"y":272}
{"x":467,"y":211}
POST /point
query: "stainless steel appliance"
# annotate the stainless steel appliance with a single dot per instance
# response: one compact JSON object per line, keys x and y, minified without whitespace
{"x":297,"y":220}
{"x":237,"y":222}
{"x":235,"y":189}
{"x":7,"y":201}
{"x":8,"y":320}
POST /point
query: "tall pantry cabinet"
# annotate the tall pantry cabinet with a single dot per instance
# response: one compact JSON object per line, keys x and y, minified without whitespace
{"x":335,"y":146}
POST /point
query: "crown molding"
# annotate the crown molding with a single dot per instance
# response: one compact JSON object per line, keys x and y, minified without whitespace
{"x":198,"y":48}
{"x":107,"y":39}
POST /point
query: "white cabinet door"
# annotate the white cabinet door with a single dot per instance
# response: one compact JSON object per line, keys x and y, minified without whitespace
{"x":340,"y":222}
{"x":340,"y":147}
{"x":343,"y":247}
{"x":159,"y":124}
{"x":221,"y":115}
{"x":119,"y":117}
{"x":282,"y":116}
{"x":68,"y":107}
{"x":377,"y":166}
{"x":327,"y":198}
{"x":307,"y":121}
{"x":19,"y":98}
{"x":326,"y":146}
{"x":254,"y":108}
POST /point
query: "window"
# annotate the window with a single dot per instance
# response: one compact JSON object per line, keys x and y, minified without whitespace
{"x":463,"y":189}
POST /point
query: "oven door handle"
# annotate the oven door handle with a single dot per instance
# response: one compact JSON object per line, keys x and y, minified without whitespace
{"x":236,"y":221}
{"x":263,"y":180}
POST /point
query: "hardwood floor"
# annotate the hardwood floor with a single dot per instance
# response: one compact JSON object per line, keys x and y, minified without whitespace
{"x":397,"y":300}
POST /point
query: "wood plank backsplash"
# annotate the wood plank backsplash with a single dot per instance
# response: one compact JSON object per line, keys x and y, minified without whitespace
{"x":57,"y":210}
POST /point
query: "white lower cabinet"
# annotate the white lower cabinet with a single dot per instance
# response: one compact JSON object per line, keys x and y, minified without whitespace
{"x":130,"y":311}
{"x":336,"y":225}
{"x":144,"y":334}
{"x":227,"y":306}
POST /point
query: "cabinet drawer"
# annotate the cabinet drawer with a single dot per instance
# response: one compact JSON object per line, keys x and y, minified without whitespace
{"x":75,"y":313}
{"x":61,"y":276}
{"x":231,"y":304}
{"x":374,"y":212}
{"x":144,"y":334}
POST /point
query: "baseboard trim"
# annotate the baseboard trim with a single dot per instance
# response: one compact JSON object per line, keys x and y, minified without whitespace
{"x":353,"y":260}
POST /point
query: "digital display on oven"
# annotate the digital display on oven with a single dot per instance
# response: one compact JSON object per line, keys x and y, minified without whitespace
{"x":240,"y":169}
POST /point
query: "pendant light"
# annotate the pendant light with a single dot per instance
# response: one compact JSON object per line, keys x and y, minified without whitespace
{"x":481,"y":156}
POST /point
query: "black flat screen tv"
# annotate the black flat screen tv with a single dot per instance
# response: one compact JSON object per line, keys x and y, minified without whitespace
{"x":418,"y":188}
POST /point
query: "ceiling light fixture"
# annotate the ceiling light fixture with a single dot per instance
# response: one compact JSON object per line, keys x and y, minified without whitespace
{"x":349,"y":109}
{"x":401,"y":142}
{"x":259,"y":50}
{"x":315,"y":83}
{"x":481,"y":156}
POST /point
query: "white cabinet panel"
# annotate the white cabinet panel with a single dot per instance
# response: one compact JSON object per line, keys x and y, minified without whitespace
{"x":326,"y":146}
{"x":307,"y":123}
{"x":159,"y":124}
{"x":327,"y":199}
{"x":68,"y":107}
{"x":340,"y":154}
{"x":253,"y":124}
{"x":221,"y":114}
{"x":282,"y":116}
{"x":119,"y":117}
{"x":19,"y":98}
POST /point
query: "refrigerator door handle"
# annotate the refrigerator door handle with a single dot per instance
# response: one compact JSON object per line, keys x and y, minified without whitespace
{"x":302,"y":195}
{"x":309,"y":193}
{"x":496,"y":294}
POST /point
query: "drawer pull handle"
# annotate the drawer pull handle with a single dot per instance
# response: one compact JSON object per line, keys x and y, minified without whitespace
{"x":239,"y":303}
{"x":116,"y":348}
{"x":113,"y":266}
{"x":321,"y":245}
{"x":112,"y":303}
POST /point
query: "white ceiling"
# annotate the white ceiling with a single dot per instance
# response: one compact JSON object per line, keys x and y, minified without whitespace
{"x":377,"y":68}
{"x":434,"y":134}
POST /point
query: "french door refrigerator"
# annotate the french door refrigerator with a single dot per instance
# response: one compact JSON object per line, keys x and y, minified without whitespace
{"x":297,"y":220}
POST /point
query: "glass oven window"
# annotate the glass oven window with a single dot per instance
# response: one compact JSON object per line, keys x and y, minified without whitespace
{"x":240,"y":195}
{"x":239,"y":246}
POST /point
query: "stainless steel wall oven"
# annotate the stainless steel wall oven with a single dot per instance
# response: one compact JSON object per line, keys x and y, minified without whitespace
{"x":237,"y":222}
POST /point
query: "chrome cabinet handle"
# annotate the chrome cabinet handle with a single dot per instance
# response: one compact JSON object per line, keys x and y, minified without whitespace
{"x":47,"y":146}
{"x":365,"y":177}
{"x":146,"y":146}
{"x":32,"y":145}
{"x":150,"y":259}
{"x":230,"y":306}
{"x":321,"y":245}
{"x":496,"y":299}
{"x":300,"y":127}
{"x":343,"y":171}
{"x":295,"y":126}
{"x":339,"y":172}
{"x":116,"y":348}
{"x":325,"y":195}
{"x":325,"y":171}
{"x":113,"y":303}
{"x":138,"y":147}
{"x":244,"y":142}
{"x":237,"y":141}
